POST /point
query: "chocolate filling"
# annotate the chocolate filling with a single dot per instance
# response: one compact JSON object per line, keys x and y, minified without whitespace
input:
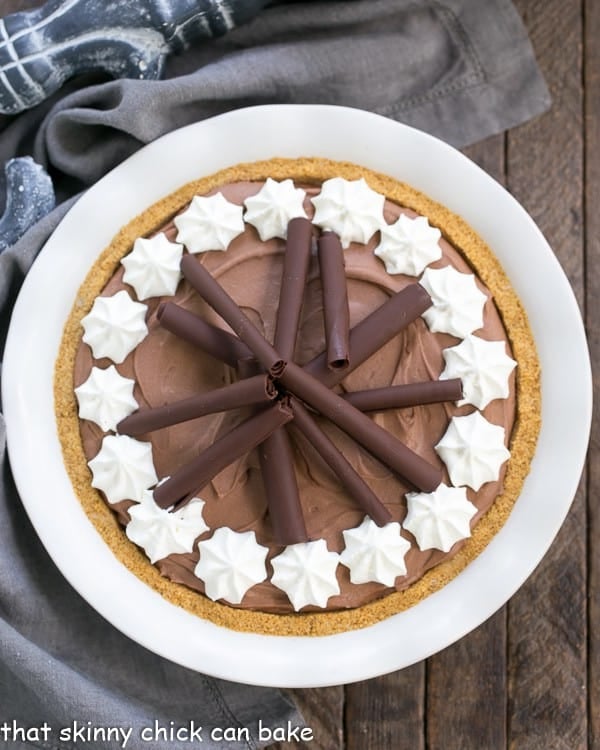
{"x":167,"y":369}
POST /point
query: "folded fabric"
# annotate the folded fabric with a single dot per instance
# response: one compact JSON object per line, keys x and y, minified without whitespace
{"x":460,"y":69}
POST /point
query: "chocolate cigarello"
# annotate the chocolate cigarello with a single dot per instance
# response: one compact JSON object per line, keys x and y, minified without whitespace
{"x":275,"y":453}
{"x":293,"y":282}
{"x":279,"y":478}
{"x":374,"y":331}
{"x":259,"y":389}
{"x":281,"y":489}
{"x":409,"y":394}
{"x":361,"y":428}
{"x":220,"y":344}
{"x":211,"y":291}
{"x":353,"y":482}
{"x":336,"y":312}
{"x":224,"y":451}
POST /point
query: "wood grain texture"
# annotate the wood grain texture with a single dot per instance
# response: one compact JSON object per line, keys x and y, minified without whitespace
{"x":490,"y":155}
{"x":547,"y":698}
{"x":466,"y":691}
{"x":387,"y":712}
{"x":323,"y":710}
{"x":545,"y":156}
{"x":591,"y":80}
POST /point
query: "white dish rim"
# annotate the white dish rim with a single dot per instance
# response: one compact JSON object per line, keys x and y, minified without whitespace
{"x":205,"y":147}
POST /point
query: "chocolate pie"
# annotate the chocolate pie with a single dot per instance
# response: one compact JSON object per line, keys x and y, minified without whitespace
{"x":297,"y":396}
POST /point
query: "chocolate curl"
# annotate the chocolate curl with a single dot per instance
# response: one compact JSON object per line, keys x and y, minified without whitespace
{"x":335,"y":300}
{"x":224,"y":451}
{"x":279,"y":478}
{"x":276,"y":456}
{"x":409,"y":394}
{"x":374,"y":331}
{"x":370,"y":435}
{"x":259,"y":389}
{"x":353,"y":482}
{"x":281,"y":489}
{"x":293,"y":282}
{"x":211,"y":291}
{"x":220,"y":344}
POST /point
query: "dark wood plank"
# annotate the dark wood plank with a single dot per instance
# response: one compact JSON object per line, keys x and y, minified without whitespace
{"x":490,"y":155}
{"x":545,"y":156}
{"x":387,"y":712}
{"x":592,"y":248}
{"x":547,"y":643}
{"x":323,"y":710}
{"x":547,"y":618}
{"x":466,"y":691}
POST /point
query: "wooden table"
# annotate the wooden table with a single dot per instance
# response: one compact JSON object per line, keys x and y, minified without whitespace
{"x":529,"y":678}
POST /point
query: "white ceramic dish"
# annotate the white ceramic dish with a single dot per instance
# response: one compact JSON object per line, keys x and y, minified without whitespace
{"x":197,"y":150}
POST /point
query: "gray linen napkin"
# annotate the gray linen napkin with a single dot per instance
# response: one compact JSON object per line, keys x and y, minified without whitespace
{"x":460,"y":69}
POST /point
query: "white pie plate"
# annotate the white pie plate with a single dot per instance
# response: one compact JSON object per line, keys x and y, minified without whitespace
{"x":200,"y":149}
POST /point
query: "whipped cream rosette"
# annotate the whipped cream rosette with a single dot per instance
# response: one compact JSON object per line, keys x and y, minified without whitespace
{"x":115,"y":326}
{"x":161,"y":533}
{"x":307,"y":573}
{"x":123,"y":468}
{"x":483,"y":367}
{"x":375,"y":553}
{"x":473,"y":450}
{"x":231,"y":563}
{"x":106,"y":397}
{"x":440,"y":518}
{"x":457,"y":301}
{"x":273,"y":207}
{"x":152,"y":267}
{"x":350,"y":208}
{"x":209,"y":223}
{"x":409,"y":245}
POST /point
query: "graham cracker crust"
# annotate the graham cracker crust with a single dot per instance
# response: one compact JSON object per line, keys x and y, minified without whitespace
{"x":522,"y":444}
